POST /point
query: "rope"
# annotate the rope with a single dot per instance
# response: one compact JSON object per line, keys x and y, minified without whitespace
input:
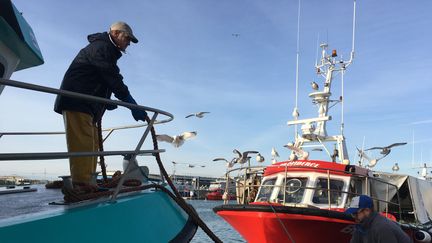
{"x":281,"y":223}
{"x":101,"y":158}
{"x":179,"y":199}
{"x":86,"y":192}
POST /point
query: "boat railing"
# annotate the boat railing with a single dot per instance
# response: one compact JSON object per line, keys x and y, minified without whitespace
{"x":254,"y":187}
{"x":62,"y":155}
{"x":245,"y":175}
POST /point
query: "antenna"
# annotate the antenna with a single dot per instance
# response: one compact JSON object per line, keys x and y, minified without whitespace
{"x":316,"y":54}
{"x":353,"y":33}
{"x":342,"y":100}
{"x":295,"y":112}
{"x":412,"y":158}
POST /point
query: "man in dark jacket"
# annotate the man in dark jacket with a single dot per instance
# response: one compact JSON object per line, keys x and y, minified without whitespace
{"x":94,"y":71}
{"x":371,"y":226}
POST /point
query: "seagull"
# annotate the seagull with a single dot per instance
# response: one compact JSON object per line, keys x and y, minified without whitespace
{"x":178,"y":140}
{"x":298,"y":152}
{"x":235,"y":35}
{"x":228,"y":163}
{"x":295,"y":113}
{"x":386,"y":150}
{"x":198,"y":114}
{"x":274,"y":153}
{"x":314,"y":86}
{"x":259,"y":158}
{"x":243,"y":157}
{"x":372,"y":162}
{"x":395,"y":167}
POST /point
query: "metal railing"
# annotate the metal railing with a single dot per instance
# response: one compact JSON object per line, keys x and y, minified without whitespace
{"x":242,"y":174}
{"x":62,"y":155}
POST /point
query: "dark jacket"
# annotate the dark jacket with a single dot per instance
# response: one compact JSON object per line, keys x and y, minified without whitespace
{"x":94,"y":71}
{"x":378,"y":229}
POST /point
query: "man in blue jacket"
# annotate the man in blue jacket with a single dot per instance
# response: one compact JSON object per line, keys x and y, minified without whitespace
{"x":371,"y":226}
{"x":94,"y":71}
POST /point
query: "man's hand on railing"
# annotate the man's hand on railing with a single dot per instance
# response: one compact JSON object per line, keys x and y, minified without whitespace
{"x":111,"y":107}
{"x":137,"y":114}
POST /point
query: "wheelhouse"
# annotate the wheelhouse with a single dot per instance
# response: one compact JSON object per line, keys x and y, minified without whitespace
{"x":311,"y":184}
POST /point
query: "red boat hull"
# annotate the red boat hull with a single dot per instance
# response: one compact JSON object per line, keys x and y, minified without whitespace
{"x":272,"y":223}
{"x":257,"y":225}
{"x":217,"y":195}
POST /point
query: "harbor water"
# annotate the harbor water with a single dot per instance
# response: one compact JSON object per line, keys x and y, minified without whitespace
{"x":221,"y":228}
{"x":29,"y":202}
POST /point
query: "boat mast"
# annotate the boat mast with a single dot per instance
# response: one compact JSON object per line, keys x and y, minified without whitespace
{"x":313,"y":130}
{"x":295,"y":113}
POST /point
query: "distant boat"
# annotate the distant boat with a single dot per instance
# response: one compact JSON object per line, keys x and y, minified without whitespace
{"x":217,"y":191}
{"x":13,"y":189}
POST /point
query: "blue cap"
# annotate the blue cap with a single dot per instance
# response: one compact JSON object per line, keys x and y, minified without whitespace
{"x":359,"y":202}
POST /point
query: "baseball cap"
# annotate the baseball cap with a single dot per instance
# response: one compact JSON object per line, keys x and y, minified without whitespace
{"x":359,"y":202}
{"x":122,"y":26}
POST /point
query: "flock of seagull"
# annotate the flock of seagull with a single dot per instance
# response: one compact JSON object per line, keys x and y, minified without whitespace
{"x":179,"y":140}
{"x":298,"y":153}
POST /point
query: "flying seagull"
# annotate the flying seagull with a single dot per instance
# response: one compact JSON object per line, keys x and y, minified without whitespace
{"x":314,"y":86}
{"x":228,"y":163}
{"x":198,"y":114}
{"x":243,"y":157}
{"x":235,"y":34}
{"x":386,"y":150}
{"x":372,"y":162}
{"x":298,"y":152}
{"x":178,"y":140}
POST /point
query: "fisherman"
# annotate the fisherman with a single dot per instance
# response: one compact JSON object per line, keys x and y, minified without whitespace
{"x":371,"y":226}
{"x":94,"y":71}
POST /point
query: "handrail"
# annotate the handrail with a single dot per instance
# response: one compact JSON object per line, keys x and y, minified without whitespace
{"x":330,"y":190}
{"x":64,"y":155}
{"x":109,"y":130}
{"x":18,"y":84}
{"x":59,"y":155}
{"x":244,"y":168}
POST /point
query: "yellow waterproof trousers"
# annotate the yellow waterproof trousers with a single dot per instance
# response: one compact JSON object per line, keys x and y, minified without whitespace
{"x":81,"y":136}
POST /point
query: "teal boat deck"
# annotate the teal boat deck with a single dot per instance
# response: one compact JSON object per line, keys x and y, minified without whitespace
{"x":149,"y":216}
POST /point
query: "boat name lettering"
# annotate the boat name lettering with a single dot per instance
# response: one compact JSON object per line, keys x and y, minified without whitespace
{"x":299,"y":163}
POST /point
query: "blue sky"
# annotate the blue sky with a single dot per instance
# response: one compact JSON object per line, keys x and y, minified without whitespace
{"x":187,"y":60}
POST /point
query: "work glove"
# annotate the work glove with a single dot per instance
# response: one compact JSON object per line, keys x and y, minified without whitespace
{"x":110,"y":107}
{"x":137,"y":114}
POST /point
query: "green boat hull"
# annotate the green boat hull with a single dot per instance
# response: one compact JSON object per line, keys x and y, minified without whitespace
{"x":146,"y":217}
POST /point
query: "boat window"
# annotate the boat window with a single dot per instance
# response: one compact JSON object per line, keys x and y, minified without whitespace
{"x":355,"y":188}
{"x":265,"y":190}
{"x":294,"y":190}
{"x":321,"y":195}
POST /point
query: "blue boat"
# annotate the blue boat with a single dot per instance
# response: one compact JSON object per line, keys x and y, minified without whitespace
{"x":151,"y":212}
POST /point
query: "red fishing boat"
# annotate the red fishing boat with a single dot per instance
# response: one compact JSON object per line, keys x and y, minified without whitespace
{"x":304,"y":200}
{"x":218,"y":191}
